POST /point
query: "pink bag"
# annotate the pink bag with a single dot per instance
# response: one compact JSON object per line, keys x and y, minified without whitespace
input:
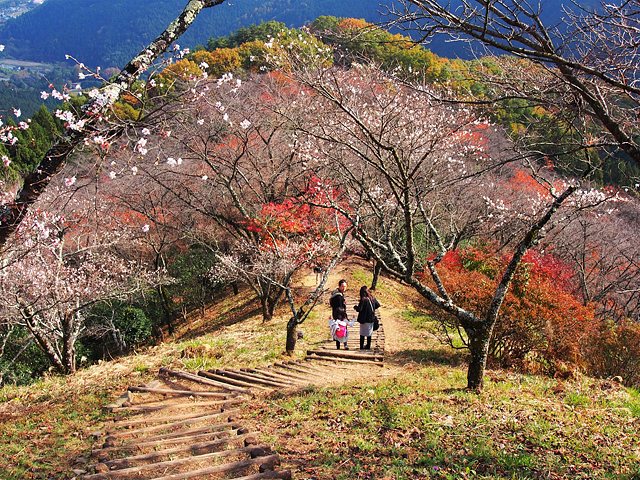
{"x":341,"y":331}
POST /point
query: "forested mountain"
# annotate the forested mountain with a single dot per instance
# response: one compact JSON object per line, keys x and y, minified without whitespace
{"x":107,"y":33}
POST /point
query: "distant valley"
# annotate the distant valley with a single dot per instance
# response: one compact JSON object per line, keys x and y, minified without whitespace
{"x":108,"y":33}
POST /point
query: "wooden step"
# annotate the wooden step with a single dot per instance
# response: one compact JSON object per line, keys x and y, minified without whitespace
{"x":297,"y":367}
{"x":232,"y":381}
{"x":157,"y":407}
{"x":271,"y":474}
{"x":170,"y":391}
{"x":177,"y":434}
{"x":163,"y":419}
{"x":324,"y":358}
{"x":194,"y":448}
{"x":163,"y":426}
{"x":267,"y":375}
{"x":344,"y":354}
{"x":183,"y":436}
{"x":196,"y":458}
{"x":286,"y":374}
{"x":246,"y":377}
{"x":202,"y":380}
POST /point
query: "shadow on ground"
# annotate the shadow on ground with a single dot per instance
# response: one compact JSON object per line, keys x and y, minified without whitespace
{"x":212,"y":323}
{"x":448,"y":357}
{"x":413,"y":460}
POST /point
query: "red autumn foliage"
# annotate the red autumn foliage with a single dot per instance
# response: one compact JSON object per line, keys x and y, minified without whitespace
{"x":614,"y":350}
{"x":301,"y":217}
{"x":541,"y":323}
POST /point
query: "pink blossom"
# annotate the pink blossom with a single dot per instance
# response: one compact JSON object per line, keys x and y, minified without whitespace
{"x":68,"y":182}
{"x":6,"y":160}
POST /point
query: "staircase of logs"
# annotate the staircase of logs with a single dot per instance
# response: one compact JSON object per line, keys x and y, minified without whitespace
{"x":184,"y":425}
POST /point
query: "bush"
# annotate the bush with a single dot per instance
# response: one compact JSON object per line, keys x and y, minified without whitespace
{"x":134,"y":325}
{"x":541,"y":326}
{"x":615,"y":351}
{"x":18,"y":366}
{"x":114,"y":328}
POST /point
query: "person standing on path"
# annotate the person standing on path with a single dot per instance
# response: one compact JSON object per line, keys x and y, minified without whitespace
{"x":366,"y":315}
{"x":339,"y":314}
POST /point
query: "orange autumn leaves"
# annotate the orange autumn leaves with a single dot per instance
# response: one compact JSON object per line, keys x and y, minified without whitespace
{"x":541,"y":321}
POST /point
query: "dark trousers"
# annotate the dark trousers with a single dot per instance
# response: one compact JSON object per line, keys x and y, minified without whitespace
{"x":362,"y":345}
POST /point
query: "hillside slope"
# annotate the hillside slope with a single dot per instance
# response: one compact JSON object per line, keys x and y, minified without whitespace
{"x":412,"y":420}
{"x":108,"y":33}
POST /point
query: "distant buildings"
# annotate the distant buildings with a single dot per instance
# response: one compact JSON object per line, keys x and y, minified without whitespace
{"x":22,"y":65}
{"x":15,"y":8}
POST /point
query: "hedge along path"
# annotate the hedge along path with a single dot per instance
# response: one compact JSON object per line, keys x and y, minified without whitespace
{"x":185,"y":425}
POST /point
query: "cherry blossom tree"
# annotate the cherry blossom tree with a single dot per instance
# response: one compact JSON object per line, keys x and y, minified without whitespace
{"x":226,"y":158}
{"x":585,"y":68}
{"x":421,"y":178}
{"x":602,"y":248}
{"x":60,"y":265}
{"x":93,"y":124}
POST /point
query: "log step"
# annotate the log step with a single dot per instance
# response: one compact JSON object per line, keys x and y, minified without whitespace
{"x":157,"y":407}
{"x":232,"y":381}
{"x":194,"y":448}
{"x":170,"y":391}
{"x":246,"y":377}
{"x":215,"y":429}
{"x":284,"y":475}
{"x":345,"y":354}
{"x":324,"y":358}
{"x":227,"y":467}
{"x":163,"y":426}
{"x":202,"y":380}
{"x":296,"y":367}
{"x":286,"y":374}
{"x":163,"y":419}
{"x":185,"y":437}
{"x":273,"y":376}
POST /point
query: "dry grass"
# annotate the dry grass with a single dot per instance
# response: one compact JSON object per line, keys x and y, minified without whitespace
{"x":410,"y":420}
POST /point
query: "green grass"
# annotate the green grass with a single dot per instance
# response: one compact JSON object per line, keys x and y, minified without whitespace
{"x":35,"y":443}
{"x":420,"y":320}
{"x":633,"y":404}
{"x":418,"y":425}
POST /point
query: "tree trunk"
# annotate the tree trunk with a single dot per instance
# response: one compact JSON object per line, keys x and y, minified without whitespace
{"x":292,"y":335}
{"x":56,"y":158}
{"x":69,"y":338}
{"x":479,"y":340}
{"x":166,"y":308}
{"x":377,"y":268}
{"x":267,"y":313}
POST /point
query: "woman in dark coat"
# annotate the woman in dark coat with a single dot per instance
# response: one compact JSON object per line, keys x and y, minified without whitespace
{"x":366,"y":315}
